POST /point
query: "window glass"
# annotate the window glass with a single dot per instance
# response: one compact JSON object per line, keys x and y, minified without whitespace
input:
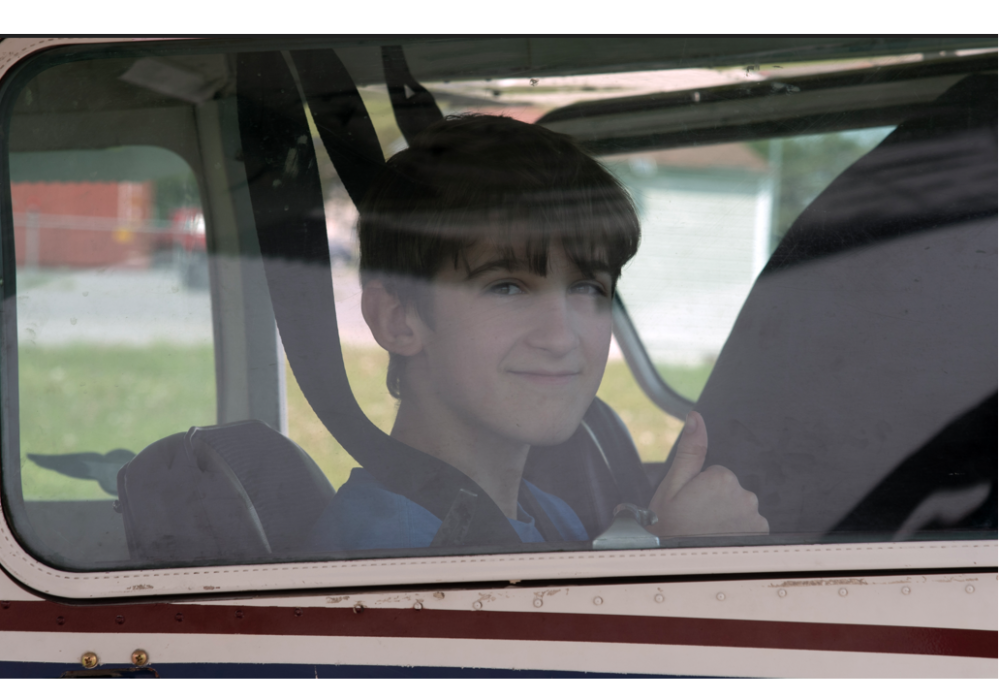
{"x":233,"y":332}
{"x":711,"y":216}
{"x":114,"y":328}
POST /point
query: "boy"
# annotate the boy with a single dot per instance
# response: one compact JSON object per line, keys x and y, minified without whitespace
{"x":490,"y":250}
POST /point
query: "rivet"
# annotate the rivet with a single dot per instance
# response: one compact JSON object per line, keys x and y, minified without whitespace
{"x":179,"y":617}
{"x":298,"y":612}
{"x":658,"y":597}
{"x":906,"y":590}
{"x":970,"y":588}
{"x":418,"y":606}
{"x":140,"y":658}
{"x":538,"y":603}
{"x":60,"y":620}
{"x":358,"y":608}
{"x":89,"y":659}
{"x":239,"y":614}
{"x":598,"y":600}
{"x":782,"y":592}
{"x":4,"y":604}
{"x":842,"y":592}
{"x":120,"y":619}
{"x":720,"y":596}
{"x":478,"y":605}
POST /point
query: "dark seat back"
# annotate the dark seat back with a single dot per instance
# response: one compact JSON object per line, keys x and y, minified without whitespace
{"x":872,"y":328}
{"x":220,"y":494}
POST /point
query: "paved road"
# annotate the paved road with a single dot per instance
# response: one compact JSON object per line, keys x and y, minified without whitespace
{"x":140,"y":307}
{"x":128,"y":307}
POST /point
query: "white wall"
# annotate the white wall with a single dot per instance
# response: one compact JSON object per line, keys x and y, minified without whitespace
{"x":705,"y":239}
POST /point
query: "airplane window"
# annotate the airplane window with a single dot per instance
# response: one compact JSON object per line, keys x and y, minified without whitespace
{"x":340,"y":302}
{"x":114,"y":330}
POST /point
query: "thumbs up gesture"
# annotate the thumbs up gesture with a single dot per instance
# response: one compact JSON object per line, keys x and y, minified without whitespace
{"x":694,"y":501}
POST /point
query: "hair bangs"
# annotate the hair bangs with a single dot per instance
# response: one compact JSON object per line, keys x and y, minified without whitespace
{"x":596,"y":227}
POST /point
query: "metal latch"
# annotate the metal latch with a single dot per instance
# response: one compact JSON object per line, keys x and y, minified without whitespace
{"x":627,"y":530}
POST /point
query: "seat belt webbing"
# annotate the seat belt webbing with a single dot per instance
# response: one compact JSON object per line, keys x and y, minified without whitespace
{"x":412,"y":104}
{"x":287,"y":202}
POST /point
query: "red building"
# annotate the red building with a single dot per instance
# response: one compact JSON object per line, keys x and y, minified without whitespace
{"x":82,"y":224}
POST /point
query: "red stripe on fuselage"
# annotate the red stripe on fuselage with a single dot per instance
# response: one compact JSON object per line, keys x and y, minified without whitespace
{"x":160,"y":618}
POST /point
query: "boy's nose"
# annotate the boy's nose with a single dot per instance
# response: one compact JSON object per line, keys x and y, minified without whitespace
{"x":553,"y":329}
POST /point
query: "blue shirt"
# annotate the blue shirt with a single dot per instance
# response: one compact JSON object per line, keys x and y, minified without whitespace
{"x":364,"y":515}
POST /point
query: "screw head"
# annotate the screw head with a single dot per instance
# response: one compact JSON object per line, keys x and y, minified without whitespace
{"x":140,"y":658}
{"x":298,"y":612}
{"x":89,"y":659}
{"x":120,"y":619}
{"x":970,"y":588}
{"x":720,"y":596}
{"x":418,"y":606}
{"x":538,"y":603}
{"x":906,"y":590}
{"x":658,"y":597}
{"x":842,"y":592}
{"x":782,"y":592}
{"x":358,"y":608}
{"x":179,"y":617}
{"x":478,"y":605}
{"x":598,"y":600}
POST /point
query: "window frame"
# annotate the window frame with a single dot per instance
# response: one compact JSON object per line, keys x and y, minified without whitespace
{"x":19,"y":563}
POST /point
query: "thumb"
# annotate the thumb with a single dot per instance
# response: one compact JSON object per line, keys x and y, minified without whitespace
{"x":692,"y":446}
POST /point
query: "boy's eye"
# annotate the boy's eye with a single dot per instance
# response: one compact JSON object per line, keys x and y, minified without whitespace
{"x":590,"y":288}
{"x":505,"y":289}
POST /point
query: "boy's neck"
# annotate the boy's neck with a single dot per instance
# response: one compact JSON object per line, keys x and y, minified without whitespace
{"x":496,"y":464}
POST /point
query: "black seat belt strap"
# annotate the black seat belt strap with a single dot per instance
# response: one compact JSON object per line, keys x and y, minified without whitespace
{"x":412,"y":104}
{"x":341,"y":119}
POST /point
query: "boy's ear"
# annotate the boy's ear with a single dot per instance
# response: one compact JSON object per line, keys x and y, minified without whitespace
{"x":391,"y":321}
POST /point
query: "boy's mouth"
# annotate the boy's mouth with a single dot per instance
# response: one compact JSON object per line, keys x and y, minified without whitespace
{"x":547,"y":377}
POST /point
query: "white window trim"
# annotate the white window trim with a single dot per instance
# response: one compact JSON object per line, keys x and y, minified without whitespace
{"x":406,"y":571}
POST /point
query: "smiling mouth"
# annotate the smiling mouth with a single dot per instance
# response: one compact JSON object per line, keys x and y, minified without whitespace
{"x":553,"y":378}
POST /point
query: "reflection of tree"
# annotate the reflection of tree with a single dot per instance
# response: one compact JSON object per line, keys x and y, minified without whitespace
{"x":807,"y":164}
{"x":174,"y":192}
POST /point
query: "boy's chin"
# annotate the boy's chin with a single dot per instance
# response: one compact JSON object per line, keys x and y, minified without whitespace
{"x":554,"y":436}
{"x":552,"y":427}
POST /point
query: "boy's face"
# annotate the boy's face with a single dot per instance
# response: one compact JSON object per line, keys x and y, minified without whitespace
{"x":513,"y":354}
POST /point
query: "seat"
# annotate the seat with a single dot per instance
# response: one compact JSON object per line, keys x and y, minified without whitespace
{"x":223,"y":494}
{"x":871,"y":330}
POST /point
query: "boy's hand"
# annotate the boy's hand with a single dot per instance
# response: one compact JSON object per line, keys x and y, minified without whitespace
{"x":692,"y":501}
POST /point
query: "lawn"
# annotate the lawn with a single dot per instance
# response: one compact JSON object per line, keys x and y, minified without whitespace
{"x":686,"y":380}
{"x":86,"y":398}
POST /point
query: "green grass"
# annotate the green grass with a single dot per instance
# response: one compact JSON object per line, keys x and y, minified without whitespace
{"x":95,"y":399}
{"x":688,"y":381}
{"x":653,"y":431}
{"x":86,"y":398}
